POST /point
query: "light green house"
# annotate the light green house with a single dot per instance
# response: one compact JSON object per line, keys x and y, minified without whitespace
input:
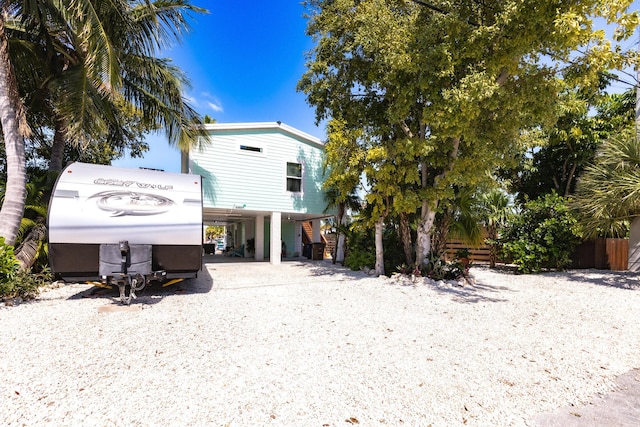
{"x":262,"y":181}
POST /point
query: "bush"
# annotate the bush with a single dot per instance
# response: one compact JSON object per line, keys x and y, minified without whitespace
{"x":437,"y":268}
{"x":359,"y":258}
{"x":16,"y":283}
{"x":9,"y":265}
{"x":362,"y":249}
{"x":543,"y":235}
{"x":26,"y":285}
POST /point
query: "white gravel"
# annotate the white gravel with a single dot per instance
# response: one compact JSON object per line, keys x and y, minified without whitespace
{"x":311,"y":344}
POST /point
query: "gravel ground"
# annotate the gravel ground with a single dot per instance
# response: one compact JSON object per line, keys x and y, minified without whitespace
{"x":311,"y":344}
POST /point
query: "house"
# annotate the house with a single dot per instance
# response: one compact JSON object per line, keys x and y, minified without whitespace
{"x":263,"y":181}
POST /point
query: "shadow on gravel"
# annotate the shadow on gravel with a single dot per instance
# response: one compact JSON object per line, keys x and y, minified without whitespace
{"x":469,"y":294}
{"x":617,"y":279}
{"x":153,"y":293}
{"x":320,"y":270}
{"x":472,"y":294}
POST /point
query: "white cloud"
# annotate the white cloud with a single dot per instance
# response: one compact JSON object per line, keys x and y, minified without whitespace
{"x":215,"y":106}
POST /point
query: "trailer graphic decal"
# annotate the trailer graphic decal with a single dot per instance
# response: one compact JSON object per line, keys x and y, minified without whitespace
{"x":129,"y":183}
{"x":131,"y":203}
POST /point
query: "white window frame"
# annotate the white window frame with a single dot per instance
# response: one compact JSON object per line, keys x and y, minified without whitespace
{"x":287,"y":176}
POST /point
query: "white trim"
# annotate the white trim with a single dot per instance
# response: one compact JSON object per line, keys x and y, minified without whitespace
{"x":265,"y":126}
{"x":287,"y":176}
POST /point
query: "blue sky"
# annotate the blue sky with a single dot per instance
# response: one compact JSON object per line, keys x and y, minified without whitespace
{"x":244,"y":60}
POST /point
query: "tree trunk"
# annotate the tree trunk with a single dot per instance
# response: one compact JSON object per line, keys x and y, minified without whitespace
{"x":379,"y":248}
{"x":28,"y":249}
{"x":440,"y":236}
{"x":405,"y":235}
{"x":428,"y":214}
{"x":492,"y":234}
{"x":427,"y":219}
{"x":57,"y":149}
{"x":341,"y":236}
{"x":14,"y":128}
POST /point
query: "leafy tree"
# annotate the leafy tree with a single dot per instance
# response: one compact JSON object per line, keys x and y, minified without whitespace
{"x":214,"y":232}
{"x":565,"y":149}
{"x":542,"y":235}
{"x":343,"y":167}
{"x":449,"y":91}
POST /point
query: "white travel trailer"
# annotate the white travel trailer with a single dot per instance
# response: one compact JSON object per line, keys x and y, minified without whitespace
{"x":125,"y":226}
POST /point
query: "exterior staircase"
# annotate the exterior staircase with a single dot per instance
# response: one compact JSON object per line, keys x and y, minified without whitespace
{"x":307,"y":236}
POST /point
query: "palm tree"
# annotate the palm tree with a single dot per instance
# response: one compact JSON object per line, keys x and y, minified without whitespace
{"x":495,"y":210}
{"x":608,"y":193}
{"x":87,"y":61}
{"x":14,"y":129}
{"x":96,"y":59}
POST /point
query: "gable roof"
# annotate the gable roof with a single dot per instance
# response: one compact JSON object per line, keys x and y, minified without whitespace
{"x":270,"y":126}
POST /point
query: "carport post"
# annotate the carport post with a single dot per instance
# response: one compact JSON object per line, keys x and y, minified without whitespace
{"x":276,"y":238}
{"x":259,"y":236}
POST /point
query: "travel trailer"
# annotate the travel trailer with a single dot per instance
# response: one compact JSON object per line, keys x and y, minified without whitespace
{"x":125,"y":227}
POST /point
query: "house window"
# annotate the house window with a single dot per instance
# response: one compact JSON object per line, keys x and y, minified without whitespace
{"x":294,"y":177}
{"x":250,"y":148}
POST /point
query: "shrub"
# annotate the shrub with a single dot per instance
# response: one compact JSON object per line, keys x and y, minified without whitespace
{"x":542,"y":235}
{"x":359,"y":258}
{"x":26,"y":285}
{"x":17,"y":283}
{"x":9,"y":265}
{"x":362,"y":251}
{"x":437,"y":268}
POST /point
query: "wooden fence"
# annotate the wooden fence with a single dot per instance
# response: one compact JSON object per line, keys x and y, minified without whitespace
{"x":609,"y":254}
{"x":612,"y":254}
{"x":478,"y":254}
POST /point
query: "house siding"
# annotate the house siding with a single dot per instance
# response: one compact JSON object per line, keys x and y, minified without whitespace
{"x":241,"y":179}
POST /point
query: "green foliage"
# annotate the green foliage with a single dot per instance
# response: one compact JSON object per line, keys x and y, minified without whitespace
{"x":437,"y":268}
{"x":360,"y":257}
{"x":15,"y":282}
{"x":214,"y":232}
{"x":25,"y":284}
{"x":427,"y":101}
{"x":361,"y":248}
{"x":542,"y":235}
{"x":9,"y":265}
{"x":608,"y":195}
{"x":558,"y":157}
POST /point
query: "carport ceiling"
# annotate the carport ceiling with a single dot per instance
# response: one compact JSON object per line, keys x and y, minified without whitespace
{"x":234,"y":216}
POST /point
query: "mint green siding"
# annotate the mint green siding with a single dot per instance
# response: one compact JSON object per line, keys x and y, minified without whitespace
{"x":255,"y":178}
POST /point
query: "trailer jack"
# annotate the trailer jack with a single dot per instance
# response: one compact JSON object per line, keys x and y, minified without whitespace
{"x":135,"y":282}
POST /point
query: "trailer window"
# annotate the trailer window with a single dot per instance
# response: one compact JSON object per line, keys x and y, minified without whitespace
{"x":294,"y":177}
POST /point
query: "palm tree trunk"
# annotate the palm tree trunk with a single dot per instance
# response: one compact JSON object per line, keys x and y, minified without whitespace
{"x":27,"y":252}
{"x":14,"y":128}
{"x":57,"y":149}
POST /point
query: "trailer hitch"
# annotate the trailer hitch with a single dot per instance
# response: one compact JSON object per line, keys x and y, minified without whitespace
{"x":127,"y":266}
{"x":135,"y":282}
